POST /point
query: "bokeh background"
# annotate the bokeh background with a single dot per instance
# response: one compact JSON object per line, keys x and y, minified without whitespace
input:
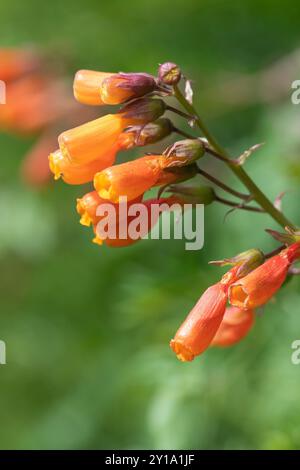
{"x":87,"y":328}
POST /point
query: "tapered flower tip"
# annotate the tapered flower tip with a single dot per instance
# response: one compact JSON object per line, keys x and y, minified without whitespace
{"x":235,"y":325}
{"x":169,"y":73}
{"x":55,"y":160}
{"x":86,"y":86}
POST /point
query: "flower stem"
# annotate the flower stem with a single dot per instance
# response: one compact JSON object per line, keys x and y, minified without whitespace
{"x":257,"y":194}
{"x":238,"y":206}
{"x":222,"y":185}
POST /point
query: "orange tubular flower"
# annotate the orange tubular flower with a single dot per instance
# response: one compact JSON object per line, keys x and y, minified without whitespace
{"x":235,"y":325}
{"x":201,"y":325}
{"x":72,"y":173}
{"x":260,"y":285}
{"x":93,"y":140}
{"x":98,"y":88}
{"x":128,"y":179}
{"x":133,"y":178}
{"x":78,"y":174}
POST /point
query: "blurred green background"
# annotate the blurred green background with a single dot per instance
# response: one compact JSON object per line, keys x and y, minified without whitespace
{"x":87,"y":328}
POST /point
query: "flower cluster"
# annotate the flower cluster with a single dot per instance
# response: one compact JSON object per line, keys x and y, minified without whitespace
{"x":225,"y":312}
{"x":87,"y":153}
{"x":251,"y":283}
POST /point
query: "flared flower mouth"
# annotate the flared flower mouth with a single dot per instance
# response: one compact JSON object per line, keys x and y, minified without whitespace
{"x":97,"y":240}
{"x":104,"y":187}
{"x":54,"y":163}
{"x":182,"y":352}
{"x":238,"y":296}
{"x":85,"y":218}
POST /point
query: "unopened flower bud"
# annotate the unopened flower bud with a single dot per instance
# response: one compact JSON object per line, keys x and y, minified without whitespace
{"x":247,"y":261}
{"x":169,"y":73}
{"x":187,"y":151}
{"x":194,"y":195}
{"x":143,"y":110}
{"x":148,"y":134}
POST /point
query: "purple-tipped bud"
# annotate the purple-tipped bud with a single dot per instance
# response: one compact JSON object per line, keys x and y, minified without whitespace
{"x":150,"y":133}
{"x":169,"y":73}
{"x":121,"y":87}
{"x":143,"y":110}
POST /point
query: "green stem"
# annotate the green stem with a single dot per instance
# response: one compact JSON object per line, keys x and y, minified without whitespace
{"x":238,"y":206}
{"x":222,"y":185}
{"x":257,"y":194}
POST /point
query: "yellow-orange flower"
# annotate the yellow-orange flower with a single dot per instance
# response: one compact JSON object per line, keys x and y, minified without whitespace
{"x":71,"y":173}
{"x":93,"y":140}
{"x":98,"y":88}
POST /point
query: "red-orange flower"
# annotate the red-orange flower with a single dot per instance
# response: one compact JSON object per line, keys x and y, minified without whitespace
{"x":235,"y":325}
{"x":98,"y":88}
{"x":260,"y":285}
{"x":199,"y":328}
